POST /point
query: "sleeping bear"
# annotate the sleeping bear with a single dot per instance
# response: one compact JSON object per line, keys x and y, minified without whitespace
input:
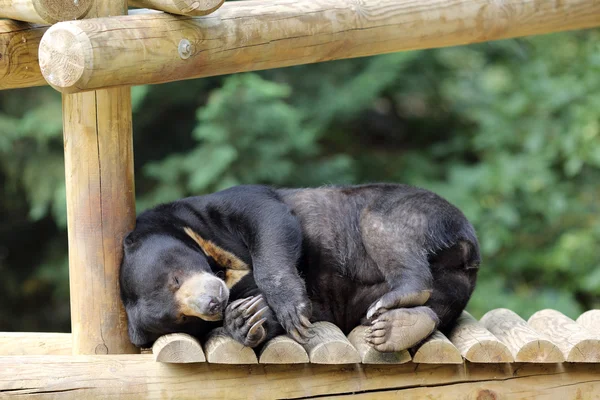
{"x":262,"y":261}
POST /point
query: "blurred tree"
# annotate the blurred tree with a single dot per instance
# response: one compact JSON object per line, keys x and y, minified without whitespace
{"x":508,"y":131}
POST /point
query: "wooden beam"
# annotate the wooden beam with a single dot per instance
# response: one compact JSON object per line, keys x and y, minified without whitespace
{"x":220,"y":348}
{"x":19,"y":43}
{"x":44,"y":11}
{"x":34,"y":344}
{"x":139,"y":376}
{"x":437,"y":349}
{"x":577,"y":343}
{"x":330,"y":346}
{"x":98,"y":145}
{"x":178,"y":348}
{"x":590,"y":320}
{"x":261,"y":34}
{"x":283,"y":350}
{"x":525,"y":344}
{"x":476,"y":343}
{"x":180,"y":7}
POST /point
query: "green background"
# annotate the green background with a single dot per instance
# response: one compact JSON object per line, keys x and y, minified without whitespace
{"x":508,"y":131}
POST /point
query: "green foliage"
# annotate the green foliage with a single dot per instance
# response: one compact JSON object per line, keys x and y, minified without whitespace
{"x":508,"y":131}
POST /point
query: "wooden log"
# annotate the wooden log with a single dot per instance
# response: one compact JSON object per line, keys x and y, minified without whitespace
{"x":283,"y":350}
{"x":140,"y":377}
{"x":181,"y":7}
{"x":178,"y":348}
{"x":19,"y":43}
{"x":98,"y":145}
{"x":369,"y":355}
{"x":590,"y":320}
{"x":261,"y":34}
{"x":34,"y":344}
{"x":220,"y":348}
{"x":476,"y":343}
{"x":576,"y":343}
{"x":44,"y":11}
{"x":437,"y":349}
{"x":524,"y":343}
{"x":330,"y":346}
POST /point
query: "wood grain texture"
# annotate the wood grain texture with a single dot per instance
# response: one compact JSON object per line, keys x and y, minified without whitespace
{"x":44,"y":11}
{"x":437,"y":349}
{"x":576,"y":343}
{"x":524,"y":343}
{"x":178,"y":348}
{"x":139,"y":377}
{"x":283,"y":350}
{"x":180,"y":7}
{"x":19,"y":43}
{"x":330,"y":346}
{"x":34,"y":344}
{"x":369,"y":355}
{"x":476,"y":343}
{"x":220,"y":348}
{"x":590,"y":320}
{"x":261,"y":34}
{"x":100,"y":212}
{"x":98,"y":145}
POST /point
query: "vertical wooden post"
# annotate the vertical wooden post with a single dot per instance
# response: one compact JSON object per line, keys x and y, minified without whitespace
{"x":100,"y":206}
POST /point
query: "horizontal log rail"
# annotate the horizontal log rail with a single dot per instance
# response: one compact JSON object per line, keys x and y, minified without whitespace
{"x":251,"y":35}
{"x":180,"y":7}
{"x":19,"y":66}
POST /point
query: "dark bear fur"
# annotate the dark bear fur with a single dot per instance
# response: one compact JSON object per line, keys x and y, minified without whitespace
{"x":270,"y":260}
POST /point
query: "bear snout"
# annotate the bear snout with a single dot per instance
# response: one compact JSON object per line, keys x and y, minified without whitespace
{"x":203,"y":295}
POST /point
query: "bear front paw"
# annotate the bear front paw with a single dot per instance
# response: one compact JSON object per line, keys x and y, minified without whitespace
{"x":294,"y":318}
{"x":245,"y":318}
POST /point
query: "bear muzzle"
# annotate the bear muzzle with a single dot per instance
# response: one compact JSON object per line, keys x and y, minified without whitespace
{"x":203,"y":295}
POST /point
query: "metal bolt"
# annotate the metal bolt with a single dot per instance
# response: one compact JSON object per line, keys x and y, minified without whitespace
{"x":185,"y":49}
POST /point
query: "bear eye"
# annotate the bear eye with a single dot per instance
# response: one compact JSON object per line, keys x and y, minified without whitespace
{"x":176,"y":280}
{"x":183,"y":318}
{"x":220,"y":274}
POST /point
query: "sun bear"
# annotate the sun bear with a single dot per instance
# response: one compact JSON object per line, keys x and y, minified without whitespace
{"x":263,"y":261}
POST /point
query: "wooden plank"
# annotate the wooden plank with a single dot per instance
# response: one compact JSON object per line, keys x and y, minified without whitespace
{"x":576,"y":343}
{"x":98,"y":145}
{"x":283,"y":350}
{"x":178,"y":348}
{"x":34,"y":344}
{"x":180,"y":7}
{"x":330,"y":346}
{"x":44,"y":11}
{"x":524,"y":343}
{"x":369,"y":355}
{"x":19,"y":43}
{"x":437,"y":349}
{"x":476,"y":343}
{"x":261,"y":34}
{"x":138,"y":376}
{"x":590,"y":320}
{"x":220,"y":348}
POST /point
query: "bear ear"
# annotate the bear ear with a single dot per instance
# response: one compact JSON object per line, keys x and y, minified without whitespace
{"x":137,"y":336}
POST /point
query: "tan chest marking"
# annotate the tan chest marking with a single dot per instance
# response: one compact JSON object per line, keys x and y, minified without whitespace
{"x":235,"y":269}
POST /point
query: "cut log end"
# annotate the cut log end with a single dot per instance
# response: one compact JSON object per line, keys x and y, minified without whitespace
{"x":283,"y":350}
{"x":540,"y":351}
{"x":178,"y":348}
{"x":65,"y":56}
{"x":53,"y":11}
{"x":330,"y":346}
{"x":220,"y":348}
{"x":586,"y":351}
{"x":489,"y":351}
{"x":437,"y":349}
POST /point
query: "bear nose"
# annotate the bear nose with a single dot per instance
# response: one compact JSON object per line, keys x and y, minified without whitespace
{"x":215,"y":305}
